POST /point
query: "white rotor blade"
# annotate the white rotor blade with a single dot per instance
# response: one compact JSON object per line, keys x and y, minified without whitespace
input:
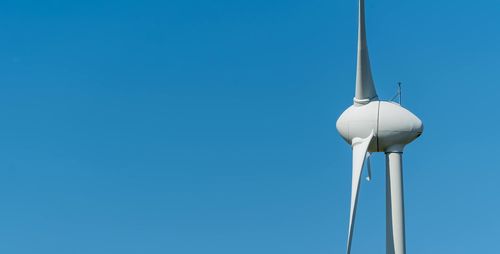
{"x":359,"y":150}
{"x":365,"y":88}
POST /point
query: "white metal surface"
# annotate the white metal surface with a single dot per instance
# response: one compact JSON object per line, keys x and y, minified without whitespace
{"x":358,"y":121}
{"x":395,"y":218}
{"x":394,"y":125}
{"x":359,"y":150}
{"x":371,"y":125}
{"x":365,"y":88}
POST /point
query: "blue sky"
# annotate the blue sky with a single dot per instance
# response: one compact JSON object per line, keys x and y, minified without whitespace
{"x":194,"y":127}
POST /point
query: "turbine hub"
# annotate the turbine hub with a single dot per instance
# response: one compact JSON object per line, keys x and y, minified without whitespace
{"x":393,"y":125}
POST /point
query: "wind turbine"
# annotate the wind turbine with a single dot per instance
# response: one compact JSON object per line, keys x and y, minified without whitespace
{"x":371,"y":125}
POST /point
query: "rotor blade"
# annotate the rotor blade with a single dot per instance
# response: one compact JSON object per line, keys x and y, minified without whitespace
{"x":359,"y":149}
{"x":365,"y":88}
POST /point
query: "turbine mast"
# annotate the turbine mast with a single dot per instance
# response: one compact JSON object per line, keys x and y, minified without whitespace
{"x":395,"y":215}
{"x":365,"y":88}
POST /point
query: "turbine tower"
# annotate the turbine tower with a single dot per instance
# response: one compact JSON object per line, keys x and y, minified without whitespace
{"x":371,"y":125}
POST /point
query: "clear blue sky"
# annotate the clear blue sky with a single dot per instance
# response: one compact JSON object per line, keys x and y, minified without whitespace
{"x":190,"y":127}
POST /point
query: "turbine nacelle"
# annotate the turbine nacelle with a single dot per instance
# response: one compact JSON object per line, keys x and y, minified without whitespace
{"x":393,"y":126}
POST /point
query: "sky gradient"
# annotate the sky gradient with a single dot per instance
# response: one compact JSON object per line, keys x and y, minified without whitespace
{"x":190,"y":127}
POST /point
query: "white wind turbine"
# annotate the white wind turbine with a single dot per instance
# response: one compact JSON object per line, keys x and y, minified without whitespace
{"x":371,"y":125}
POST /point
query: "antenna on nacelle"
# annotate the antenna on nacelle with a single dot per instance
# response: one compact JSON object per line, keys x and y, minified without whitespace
{"x":398,"y":94}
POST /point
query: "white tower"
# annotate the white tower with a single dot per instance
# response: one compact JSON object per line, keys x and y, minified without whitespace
{"x":371,"y":125}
